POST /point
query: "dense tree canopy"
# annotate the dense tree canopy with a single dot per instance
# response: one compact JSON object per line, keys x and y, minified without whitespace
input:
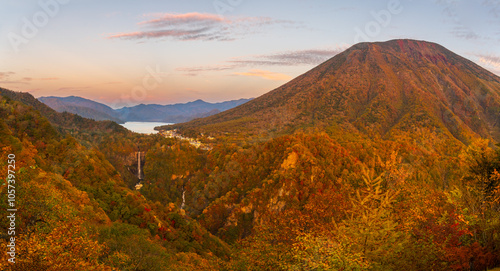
{"x":316,"y":199}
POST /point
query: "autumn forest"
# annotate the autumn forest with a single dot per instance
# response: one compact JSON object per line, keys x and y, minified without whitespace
{"x":384,"y":157}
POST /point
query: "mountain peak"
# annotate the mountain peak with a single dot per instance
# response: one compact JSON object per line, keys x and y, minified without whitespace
{"x":378,"y":87}
{"x":199,"y":101}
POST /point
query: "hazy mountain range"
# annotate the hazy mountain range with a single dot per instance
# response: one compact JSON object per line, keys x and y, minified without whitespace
{"x":174,"y":113}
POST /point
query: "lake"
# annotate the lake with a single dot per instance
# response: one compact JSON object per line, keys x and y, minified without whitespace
{"x":143,"y":127}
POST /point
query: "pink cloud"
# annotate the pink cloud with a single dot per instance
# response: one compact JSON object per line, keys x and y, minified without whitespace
{"x":266,"y":75}
{"x":490,"y":62}
{"x":197,"y":26}
{"x":169,"y":19}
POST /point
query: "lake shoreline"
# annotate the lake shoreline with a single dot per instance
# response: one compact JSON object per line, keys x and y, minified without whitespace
{"x":143,"y":127}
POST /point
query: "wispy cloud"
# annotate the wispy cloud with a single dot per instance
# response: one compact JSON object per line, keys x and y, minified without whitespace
{"x":172,"y":19}
{"x":455,"y":13}
{"x":11,"y":82}
{"x":6,"y":75}
{"x":309,"y":57}
{"x":198,"y":69}
{"x":490,"y":62}
{"x":40,"y":79}
{"x":7,"y":78}
{"x":463,"y":32}
{"x":493,"y":7}
{"x":266,"y":75}
{"x":197,"y":26}
{"x":71,"y":89}
{"x":291,"y":58}
{"x":204,"y":33}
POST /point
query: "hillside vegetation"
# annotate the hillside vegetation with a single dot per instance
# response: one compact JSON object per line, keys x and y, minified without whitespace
{"x":373,"y":173}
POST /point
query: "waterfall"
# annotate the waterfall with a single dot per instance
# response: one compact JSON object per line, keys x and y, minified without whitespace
{"x":139,"y":166}
{"x":140,"y":176}
{"x":183,"y":198}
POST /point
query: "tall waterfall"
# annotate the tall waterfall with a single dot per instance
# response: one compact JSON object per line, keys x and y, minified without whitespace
{"x":183,"y":198}
{"x":139,"y":173}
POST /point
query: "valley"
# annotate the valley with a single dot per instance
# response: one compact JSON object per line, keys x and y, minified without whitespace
{"x":383,"y":157}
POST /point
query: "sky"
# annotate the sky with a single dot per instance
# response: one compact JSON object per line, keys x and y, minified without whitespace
{"x":125,"y":52}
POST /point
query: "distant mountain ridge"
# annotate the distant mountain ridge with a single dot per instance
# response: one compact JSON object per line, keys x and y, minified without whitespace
{"x":379,"y":88}
{"x":83,"y":107}
{"x":174,"y":113}
{"x":65,"y":122}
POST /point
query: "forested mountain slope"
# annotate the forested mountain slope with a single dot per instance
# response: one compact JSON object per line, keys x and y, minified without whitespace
{"x":377,"y":88}
{"x":75,"y":210}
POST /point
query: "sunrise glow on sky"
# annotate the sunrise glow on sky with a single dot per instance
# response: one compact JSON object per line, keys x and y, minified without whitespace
{"x":130,"y":52}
